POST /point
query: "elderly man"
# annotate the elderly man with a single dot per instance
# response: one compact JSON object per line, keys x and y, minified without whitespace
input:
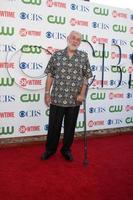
{"x":67,"y":72}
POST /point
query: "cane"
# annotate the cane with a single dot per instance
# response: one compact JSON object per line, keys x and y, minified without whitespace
{"x":85,"y":161}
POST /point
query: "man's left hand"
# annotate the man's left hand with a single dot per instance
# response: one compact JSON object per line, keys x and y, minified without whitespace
{"x":80,"y":98}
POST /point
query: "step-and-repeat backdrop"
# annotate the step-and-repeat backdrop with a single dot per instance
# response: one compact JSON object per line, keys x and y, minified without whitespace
{"x":28,"y":27}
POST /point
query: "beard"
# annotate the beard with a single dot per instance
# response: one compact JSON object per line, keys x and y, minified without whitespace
{"x":72,"y":47}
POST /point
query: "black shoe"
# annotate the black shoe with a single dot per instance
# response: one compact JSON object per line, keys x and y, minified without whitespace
{"x":67,"y":155}
{"x":47,"y":155}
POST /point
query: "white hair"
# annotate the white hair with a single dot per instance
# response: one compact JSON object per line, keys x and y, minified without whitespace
{"x":75,"y":32}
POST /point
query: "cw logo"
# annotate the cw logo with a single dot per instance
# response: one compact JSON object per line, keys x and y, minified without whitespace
{"x":56,"y":20}
{"x":129,"y":120}
{"x":36,"y":2}
{"x":98,"y":96}
{"x":131,"y":43}
{"x":30,"y":97}
{"x":131,"y":83}
{"x":116,"y":69}
{"x":6,"y":130}
{"x":80,"y":124}
{"x":119,"y":28}
{"x":101,"y":11}
{"x":85,"y":37}
{"x":99,"y":54}
{"x":115,"y":108}
{"x":6,"y":81}
{"x":31,"y":49}
{"x":6,"y":30}
{"x":47,"y":112}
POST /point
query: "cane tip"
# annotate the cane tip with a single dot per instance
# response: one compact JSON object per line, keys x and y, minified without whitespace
{"x":85,"y":162}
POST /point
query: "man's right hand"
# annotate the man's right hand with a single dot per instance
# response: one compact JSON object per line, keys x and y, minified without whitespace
{"x":47,"y":99}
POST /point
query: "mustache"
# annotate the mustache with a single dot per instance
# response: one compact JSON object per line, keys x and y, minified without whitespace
{"x":72,"y":46}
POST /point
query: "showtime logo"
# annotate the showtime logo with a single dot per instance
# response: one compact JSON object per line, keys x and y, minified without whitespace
{"x":115,"y":55}
{"x":119,"y":14}
{"x":24,"y":82}
{"x":129,"y":108}
{"x":131,"y":30}
{"x":116,"y":96}
{"x":76,"y":22}
{"x":95,"y":123}
{"x":81,"y":110}
{"x":51,"y":3}
{"x":24,"y":129}
{"x":23,"y":32}
{"x":95,"y":39}
{"x":7,"y":115}
{"x":9,"y":14}
{"x":130,"y":69}
{"x":52,"y":49}
{"x":99,"y":82}
{"x":6,"y":65}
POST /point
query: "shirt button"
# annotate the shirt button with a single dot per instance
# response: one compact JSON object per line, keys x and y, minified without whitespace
{"x":68,"y":77}
{"x":65,"y":102}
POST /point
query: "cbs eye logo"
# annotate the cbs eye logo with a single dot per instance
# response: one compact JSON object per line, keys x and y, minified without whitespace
{"x":23,"y":65}
{"x":23,"y":15}
{"x":48,"y":34}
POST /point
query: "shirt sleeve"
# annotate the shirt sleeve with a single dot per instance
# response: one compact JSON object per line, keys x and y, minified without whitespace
{"x":87,"y":73}
{"x":50,"y":68}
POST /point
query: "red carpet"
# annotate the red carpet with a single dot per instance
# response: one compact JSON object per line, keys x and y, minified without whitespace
{"x":23,"y":176}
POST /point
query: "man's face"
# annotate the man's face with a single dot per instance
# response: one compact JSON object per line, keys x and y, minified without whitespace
{"x":74,"y":41}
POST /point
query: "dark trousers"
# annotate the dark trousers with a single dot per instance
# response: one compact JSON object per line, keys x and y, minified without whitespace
{"x":57,"y":114}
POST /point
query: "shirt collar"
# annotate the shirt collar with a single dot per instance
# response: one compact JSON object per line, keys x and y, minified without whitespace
{"x":65,"y":51}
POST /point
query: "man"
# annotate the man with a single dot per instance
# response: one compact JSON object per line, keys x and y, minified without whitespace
{"x":67,"y":72}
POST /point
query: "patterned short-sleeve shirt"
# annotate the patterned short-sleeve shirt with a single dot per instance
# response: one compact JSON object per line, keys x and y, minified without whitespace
{"x":68,"y":74}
